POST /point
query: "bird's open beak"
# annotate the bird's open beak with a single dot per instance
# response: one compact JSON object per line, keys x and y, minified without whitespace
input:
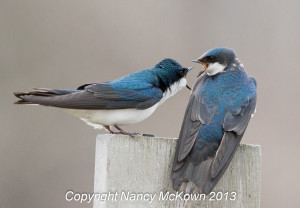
{"x":190,"y":68}
{"x":205,"y":65}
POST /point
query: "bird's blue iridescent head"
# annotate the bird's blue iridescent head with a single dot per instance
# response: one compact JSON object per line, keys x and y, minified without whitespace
{"x":169,"y":71}
{"x":215,"y":60}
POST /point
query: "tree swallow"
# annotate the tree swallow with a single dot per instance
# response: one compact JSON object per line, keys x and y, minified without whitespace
{"x":218,"y":112}
{"x":124,"y":101}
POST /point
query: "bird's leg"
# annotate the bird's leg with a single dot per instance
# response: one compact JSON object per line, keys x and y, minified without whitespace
{"x":121,"y":130}
{"x":111,"y":131}
{"x":124,"y":132}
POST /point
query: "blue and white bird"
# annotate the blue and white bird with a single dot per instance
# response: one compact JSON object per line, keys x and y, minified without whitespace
{"x":218,"y":112}
{"x":124,"y":101}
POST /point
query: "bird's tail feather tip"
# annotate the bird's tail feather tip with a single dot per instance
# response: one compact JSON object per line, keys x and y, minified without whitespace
{"x":22,"y":100}
{"x":19,"y":94}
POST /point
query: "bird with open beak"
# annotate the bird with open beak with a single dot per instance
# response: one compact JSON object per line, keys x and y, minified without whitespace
{"x":219,"y":110}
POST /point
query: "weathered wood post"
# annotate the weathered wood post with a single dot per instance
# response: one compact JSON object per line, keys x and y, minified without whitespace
{"x":135,"y":172}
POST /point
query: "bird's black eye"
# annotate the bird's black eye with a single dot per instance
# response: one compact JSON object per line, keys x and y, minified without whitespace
{"x":181,"y":72}
{"x":210,"y":58}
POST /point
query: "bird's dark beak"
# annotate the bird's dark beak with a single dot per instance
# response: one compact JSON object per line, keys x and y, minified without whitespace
{"x":204,"y":64}
{"x":187,"y":70}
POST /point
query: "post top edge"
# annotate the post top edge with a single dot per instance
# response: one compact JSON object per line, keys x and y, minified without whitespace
{"x":159,"y":137}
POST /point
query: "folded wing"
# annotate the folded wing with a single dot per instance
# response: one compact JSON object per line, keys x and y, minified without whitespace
{"x":95,"y":96}
{"x":206,"y":165}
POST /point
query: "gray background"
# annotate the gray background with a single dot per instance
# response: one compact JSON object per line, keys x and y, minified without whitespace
{"x":62,"y":44}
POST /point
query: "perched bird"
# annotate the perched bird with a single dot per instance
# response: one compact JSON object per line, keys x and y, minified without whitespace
{"x":124,"y":101}
{"x":218,"y":112}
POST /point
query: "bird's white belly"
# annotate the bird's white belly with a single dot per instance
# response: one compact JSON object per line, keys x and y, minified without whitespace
{"x":121,"y":117}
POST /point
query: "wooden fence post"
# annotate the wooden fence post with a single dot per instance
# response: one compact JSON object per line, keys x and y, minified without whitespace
{"x":135,"y":172}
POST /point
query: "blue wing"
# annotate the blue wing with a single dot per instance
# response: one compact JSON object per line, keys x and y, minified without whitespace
{"x":138,"y":91}
{"x":210,"y":134}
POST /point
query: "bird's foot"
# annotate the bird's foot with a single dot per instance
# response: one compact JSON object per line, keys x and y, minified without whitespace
{"x":121,"y":131}
{"x":110,"y":131}
{"x":129,"y":134}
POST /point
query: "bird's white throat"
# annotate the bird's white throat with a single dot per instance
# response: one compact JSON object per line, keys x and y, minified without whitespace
{"x":174,"y":88}
{"x":214,"y":69}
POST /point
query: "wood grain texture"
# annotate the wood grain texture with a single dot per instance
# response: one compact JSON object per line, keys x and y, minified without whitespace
{"x":142,"y":165}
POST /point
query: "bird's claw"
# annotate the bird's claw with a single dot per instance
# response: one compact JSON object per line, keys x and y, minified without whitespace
{"x":125,"y":133}
{"x":129,"y":134}
{"x":121,"y":131}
